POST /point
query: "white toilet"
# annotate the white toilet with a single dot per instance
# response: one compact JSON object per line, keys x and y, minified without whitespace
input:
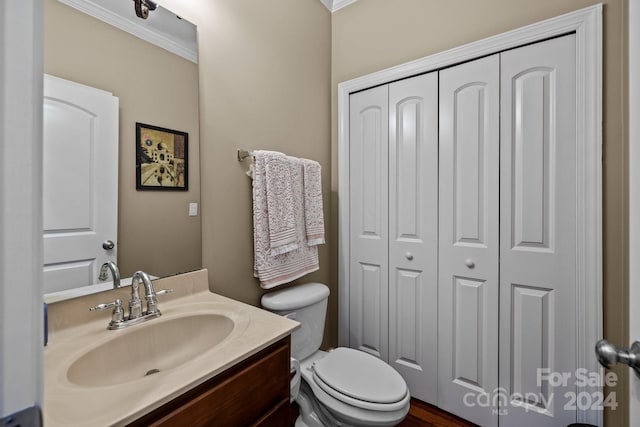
{"x":344,"y":387}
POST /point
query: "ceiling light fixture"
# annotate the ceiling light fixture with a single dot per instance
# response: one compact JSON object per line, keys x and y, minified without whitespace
{"x":143,"y":7}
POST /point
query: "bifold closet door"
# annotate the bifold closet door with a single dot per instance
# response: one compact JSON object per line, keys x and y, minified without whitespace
{"x":468,"y":240}
{"x":506,"y":200}
{"x":413,"y":233}
{"x":394,"y":227}
{"x":369,"y":221}
{"x":538,"y":234}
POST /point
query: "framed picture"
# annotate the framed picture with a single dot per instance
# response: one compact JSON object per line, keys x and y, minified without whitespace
{"x":161,"y":159}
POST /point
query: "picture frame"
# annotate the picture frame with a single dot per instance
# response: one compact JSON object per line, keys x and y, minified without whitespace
{"x":162,"y":160}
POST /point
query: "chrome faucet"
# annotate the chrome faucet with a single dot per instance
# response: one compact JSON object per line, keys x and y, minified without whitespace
{"x":136,"y":315}
{"x":135,"y":304}
{"x":115,"y":273}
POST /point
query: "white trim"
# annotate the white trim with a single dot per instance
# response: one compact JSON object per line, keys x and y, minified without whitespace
{"x":587,"y":25}
{"x":21,"y":324}
{"x":339,"y":4}
{"x":177,"y":46}
{"x":334,"y":5}
{"x":634,"y":202}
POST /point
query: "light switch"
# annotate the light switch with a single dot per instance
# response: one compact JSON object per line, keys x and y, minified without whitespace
{"x":193,"y":209}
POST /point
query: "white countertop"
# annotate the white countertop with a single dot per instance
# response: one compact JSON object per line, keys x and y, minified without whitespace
{"x":68,"y":404}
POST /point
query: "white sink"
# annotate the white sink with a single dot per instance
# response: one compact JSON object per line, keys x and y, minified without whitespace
{"x":150,"y":348}
{"x":100,"y":377}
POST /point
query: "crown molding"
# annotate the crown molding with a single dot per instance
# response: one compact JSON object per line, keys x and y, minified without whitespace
{"x":339,"y":4}
{"x":334,"y":5}
{"x":164,"y":40}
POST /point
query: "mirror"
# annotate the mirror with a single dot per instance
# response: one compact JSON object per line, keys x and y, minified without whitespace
{"x":156,"y":86}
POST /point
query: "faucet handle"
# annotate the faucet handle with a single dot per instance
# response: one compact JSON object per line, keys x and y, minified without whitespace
{"x":117,"y":303}
{"x":117,"y":316}
{"x":164,"y":292}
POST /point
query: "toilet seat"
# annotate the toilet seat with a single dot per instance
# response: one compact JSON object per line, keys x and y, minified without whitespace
{"x":347,"y":413}
{"x":361,"y":380}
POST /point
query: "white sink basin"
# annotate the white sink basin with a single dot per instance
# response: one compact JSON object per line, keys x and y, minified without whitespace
{"x":96,"y":377}
{"x":150,"y":348}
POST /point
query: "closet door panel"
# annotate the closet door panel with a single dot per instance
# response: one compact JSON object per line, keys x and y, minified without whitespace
{"x":369,"y":222}
{"x":468,"y":239}
{"x":531,"y":162}
{"x":531,"y":322}
{"x":537,"y":233}
{"x":413,"y":232}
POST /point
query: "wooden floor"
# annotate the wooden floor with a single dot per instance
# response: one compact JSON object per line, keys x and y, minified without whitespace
{"x":425,"y":415}
{"x":420,"y":415}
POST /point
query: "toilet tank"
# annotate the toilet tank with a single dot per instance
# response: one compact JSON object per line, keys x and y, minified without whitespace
{"x":308,"y":305}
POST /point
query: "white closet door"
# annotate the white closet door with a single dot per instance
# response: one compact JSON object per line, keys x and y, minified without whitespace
{"x":369,"y":222}
{"x":538,"y":232}
{"x":413,"y":233}
{"x":468,"y":241}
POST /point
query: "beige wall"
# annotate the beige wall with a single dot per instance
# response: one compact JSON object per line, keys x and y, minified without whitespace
{"x":155,"y":87}
{"x":371,"y":35}
{"x":268,"y":77}
{"x":268,"y":70}
{"x":264,"y":84}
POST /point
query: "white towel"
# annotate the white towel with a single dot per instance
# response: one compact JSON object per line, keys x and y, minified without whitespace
{"x":313,"y":213}
{"x":280,"y":215}
{"x":273,"y":270}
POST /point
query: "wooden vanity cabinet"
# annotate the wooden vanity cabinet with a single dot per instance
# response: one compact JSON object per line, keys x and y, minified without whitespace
{"x":254,"y":392}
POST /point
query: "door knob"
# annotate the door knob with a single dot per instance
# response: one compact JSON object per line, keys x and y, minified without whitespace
{"x":108,"y":245}
{"x":608,"y":355}
{"x":469,"y":263}
{"x":409,"y":256}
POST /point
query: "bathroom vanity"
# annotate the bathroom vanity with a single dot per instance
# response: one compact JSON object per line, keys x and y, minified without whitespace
{"x":252,"y":393}
{"x":208,"y":360}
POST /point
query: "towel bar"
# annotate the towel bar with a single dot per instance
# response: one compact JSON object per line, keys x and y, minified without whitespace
{"x":243,"y":154}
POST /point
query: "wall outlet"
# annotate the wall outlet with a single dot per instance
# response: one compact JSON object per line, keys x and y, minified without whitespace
{"x":193,"y":209}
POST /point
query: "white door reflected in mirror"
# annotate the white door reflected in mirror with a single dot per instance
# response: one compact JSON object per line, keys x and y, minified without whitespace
{"x":80,"y":164}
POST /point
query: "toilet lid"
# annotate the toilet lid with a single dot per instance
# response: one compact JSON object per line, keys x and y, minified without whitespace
{"x":360,"y":376}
